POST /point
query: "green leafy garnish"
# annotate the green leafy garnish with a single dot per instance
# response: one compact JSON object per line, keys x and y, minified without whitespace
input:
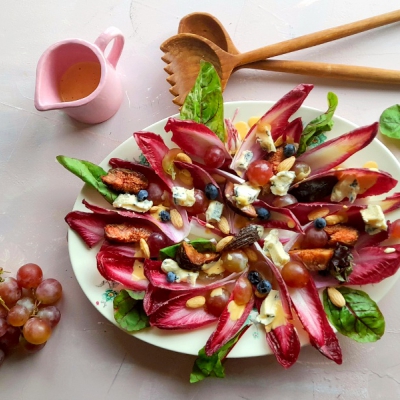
{"x":90,"y":173}
{"x":389,"y":122}
{"x":201,"y":245}
{"x":128,"y":310}
{"x":322,"y":123}
{"x":205,"y":366}
{"x":205,"y":104}
{"x":360,"y":319}
{"x":143,"y":160}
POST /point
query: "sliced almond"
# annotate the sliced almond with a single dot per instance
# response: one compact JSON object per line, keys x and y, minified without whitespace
{"x":176,"y":219}
{"x":196,"y":302}
{"x":224,"y":242}
{"x":336,"y":297}
{"x":223,"y":225}
{"x":279,"y":141}
{"x":319,"y":213}
{"x":145,"y":248}
{"x":218,"y":178}
{"x":210,"y":226}
{"x":251,"y":254}
{"x":184,"y":158}
{"x":286,"y":164}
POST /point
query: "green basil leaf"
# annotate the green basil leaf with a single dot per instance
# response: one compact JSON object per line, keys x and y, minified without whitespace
{"x":360,"y":319}
{"x":389,"y":122}
{"x":205,"y":366}
{"x":135,"y":294}
{"x":322,"y":123}
{"x":129,"y":312}
{"x":205,"y":104}
{"x":201,"y":245}
{"x":90,"y":173}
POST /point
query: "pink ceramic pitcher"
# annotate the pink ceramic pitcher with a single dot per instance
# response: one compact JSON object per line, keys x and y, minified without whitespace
{"x":103,"y":102}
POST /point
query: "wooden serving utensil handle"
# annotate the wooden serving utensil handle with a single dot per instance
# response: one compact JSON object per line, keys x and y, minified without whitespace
{"x":326,"y":70}
{"x":320,"y":37}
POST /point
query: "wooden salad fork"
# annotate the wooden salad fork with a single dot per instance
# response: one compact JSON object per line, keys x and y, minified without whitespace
{"x":184,"y":51}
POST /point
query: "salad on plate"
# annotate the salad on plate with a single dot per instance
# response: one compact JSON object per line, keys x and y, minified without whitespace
{"x":237,"y":225}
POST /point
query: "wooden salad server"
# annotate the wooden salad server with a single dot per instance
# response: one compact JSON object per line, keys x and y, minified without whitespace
{"x":184,"y":51}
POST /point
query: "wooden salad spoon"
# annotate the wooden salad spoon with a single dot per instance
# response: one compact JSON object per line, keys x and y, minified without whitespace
{"x":184,"y":51}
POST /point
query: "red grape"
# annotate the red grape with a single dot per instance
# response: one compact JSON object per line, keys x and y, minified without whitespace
{"x":155,"y":193}
{"x":168,"y":161}
{"x":259,"y":172}
{"x":214,"y":157}
{"x":51,"y":314}
{"x":157,"y":241}
{"x":243,"y":291}
{"x":10,"y":291}
{"x":36,"y":331}
{"x":3,"y":326}
{"x":18,"y":315}
{"x":217,"y":301}
{"x":302,"y":170}
{"x":201,"y":204}
{"x":234,"y":261}
{"x":10,"y":339}
{"x":295,"y":274}
{"x":49,"y":291}
{"x":32,"y":348}
{"x":314,"y":238}
{"x":29,"y":276}
{"x":3,"y":312}
{"x":394,"y":230}
{"x":2,"y":356}
{"x":27,"y":302}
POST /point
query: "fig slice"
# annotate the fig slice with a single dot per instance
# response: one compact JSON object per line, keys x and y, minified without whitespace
{"x":277,"y":119}
{"x":195,"y":139}
{"x":308,"y":306}
{"x":190,"y":259}
{"x":335,"y":151}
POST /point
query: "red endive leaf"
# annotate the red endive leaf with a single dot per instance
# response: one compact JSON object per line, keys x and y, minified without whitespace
{"x":308,"y":306}
{"x":175,"y":315}
{"x":127,"y":250}
{"x":292,"y":133}
{"x":233,"y":142}
{"x":277,"y":117}
{"x":154,"y":149}
{"x":118,"y":268}
{"x":155,"y":297}
{"x":285,"y":344}
{"x":227,"y":328}
{"x":335,"y":151}
{"x":176,"y":235}
{"x":302,"y":210}
{"x":388,"y":204}
{"x":194,"y":139}
{"x":374,"y":264}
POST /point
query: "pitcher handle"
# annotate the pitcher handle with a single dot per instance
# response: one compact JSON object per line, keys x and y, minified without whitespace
{"x":105,"y":38}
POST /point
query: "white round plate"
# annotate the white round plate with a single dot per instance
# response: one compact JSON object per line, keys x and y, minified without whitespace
{"x":253,"y":342}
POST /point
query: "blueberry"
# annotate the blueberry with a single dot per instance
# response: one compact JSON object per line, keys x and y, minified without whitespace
{"x":320,"y":223}
{"x":264,"y":287}
{"x":263,"y":213}
{"x":171,"y":277}
{"x":142,"y":195}
{"x":165,"y":216}
{"x":289,"y":150}
{"x":211,"y":191}
{"x":254,"y":277}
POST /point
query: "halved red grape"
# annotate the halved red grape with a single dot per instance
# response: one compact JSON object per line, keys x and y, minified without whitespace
{"x":214,"y":157}
{"x":295,"y":274}
{"x":155,"y":193}
{"x":201,"y":204}
{"x":157,"y":241}
{"x":259,"y":172}
{"x":217,"y":301}
{"x":234,"y":261}
{"x":29,"y":276}
{"x":314,"y":238}
{"x":284,"y":201}
{"x":243,"y":291}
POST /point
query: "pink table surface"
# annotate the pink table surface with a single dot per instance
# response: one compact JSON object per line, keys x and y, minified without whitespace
{"x":88,"y":357}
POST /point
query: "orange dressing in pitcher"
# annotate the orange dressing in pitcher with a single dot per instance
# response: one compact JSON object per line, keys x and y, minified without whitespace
{"x":79,"y":81}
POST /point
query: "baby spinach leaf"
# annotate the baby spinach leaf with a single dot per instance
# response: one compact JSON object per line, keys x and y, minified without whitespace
{"x":318,"y":125}
{"x":129,"y":312}
{"x":360,"y":319}
{"x":90,"y":173}
{"x":201,"y":245}
{"x":205,"y":104}
{"x":389,"y":122}
{"x":205,"y":366}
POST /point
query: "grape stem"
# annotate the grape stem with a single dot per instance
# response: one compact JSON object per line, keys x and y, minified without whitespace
{"x":2,"y":302}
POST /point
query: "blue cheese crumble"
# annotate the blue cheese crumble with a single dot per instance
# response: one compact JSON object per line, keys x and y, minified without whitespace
{"x":280,"y":183}
{"x":214,"y":211}
{"x":169,"y":265}
{"x":374,"y":219}
{"x":348,"y":187}
{"x":130,"y":202}
{"x":245,"y":194}
{"x":244,"y":160}
{"x":183,"y":197}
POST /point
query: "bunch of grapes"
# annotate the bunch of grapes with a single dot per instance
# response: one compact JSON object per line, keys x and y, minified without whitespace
{"x":27,"y":311}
